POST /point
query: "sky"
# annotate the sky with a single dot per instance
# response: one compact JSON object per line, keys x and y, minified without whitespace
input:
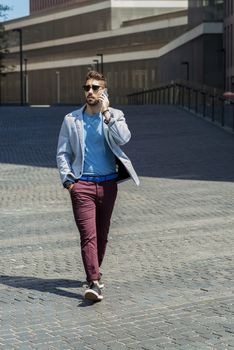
{"x":20,"y":8}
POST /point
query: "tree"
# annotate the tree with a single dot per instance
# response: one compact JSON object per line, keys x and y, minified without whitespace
{"x":3,"y":42}
{"x":3,"y":10}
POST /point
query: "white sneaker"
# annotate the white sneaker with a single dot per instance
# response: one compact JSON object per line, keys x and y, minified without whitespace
{"x":93,"y":292}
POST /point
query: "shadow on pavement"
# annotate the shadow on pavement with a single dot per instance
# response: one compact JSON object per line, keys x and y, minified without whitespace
{"x":28,"y":136}
{"x":43,"y":285}
{"x":167,"y":142}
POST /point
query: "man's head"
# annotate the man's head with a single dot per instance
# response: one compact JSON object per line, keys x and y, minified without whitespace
{"x":94,"y":86}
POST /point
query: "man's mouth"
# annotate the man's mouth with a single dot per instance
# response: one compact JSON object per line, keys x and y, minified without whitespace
{"x":91,"y":100}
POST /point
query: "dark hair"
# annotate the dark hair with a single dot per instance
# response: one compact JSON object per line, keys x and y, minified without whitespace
{"x":96,"y":75}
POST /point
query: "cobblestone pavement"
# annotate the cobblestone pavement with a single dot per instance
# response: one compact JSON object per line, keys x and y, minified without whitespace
{"x":168,"y":271}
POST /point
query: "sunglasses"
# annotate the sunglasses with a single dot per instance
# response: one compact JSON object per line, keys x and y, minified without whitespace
{"x":93,"y":87}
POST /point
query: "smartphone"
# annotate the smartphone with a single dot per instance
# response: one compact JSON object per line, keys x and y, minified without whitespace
{"x":105,"y":93}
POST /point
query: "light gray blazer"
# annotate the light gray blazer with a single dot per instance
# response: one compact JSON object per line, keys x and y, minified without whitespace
{"x":70,"y":151}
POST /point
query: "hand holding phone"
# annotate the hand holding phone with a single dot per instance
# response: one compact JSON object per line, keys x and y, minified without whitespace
{"x":105,"y":93}
{"x":104,"y":101}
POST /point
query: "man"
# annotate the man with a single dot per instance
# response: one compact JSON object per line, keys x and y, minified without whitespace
{"x":90,"y":163}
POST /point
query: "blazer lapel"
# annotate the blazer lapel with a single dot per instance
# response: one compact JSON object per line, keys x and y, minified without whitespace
{"x":80,"y":128}
{"x":105,"y":131}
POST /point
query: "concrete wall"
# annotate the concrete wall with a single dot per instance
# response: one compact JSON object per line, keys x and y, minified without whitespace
{"x":205,"y":67}
{"x":209,"y":11}
{"x":205,"y":60}
{"x":40,"y":6}
{"x":229,"y":44}
{"x":119,"y":15}
{"x":60,"y":50}
{"x":123,"y":78}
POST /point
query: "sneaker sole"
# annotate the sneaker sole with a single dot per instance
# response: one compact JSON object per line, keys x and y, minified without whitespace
{"x":92,"y":295}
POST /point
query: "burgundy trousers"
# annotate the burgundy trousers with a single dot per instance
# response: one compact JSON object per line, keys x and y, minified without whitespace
{"x":93,"y":204}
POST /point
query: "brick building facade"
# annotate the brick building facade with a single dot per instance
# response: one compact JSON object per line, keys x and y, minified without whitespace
{"x":37,"y":6}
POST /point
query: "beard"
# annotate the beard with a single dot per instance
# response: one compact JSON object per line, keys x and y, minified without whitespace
{"x":91,"y":101}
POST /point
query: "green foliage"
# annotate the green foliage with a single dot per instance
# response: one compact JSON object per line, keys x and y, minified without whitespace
{"x":3,"y":10}
{"x":3,"y":38}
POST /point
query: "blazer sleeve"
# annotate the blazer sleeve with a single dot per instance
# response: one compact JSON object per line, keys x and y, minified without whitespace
{"x":64,"y":152}
{"x":118,"y":127}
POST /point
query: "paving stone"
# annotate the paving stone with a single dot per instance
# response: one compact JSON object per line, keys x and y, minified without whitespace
{"x":168,"y":270}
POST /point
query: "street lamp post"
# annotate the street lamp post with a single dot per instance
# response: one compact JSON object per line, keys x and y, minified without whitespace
{"x":58,"y":86}
{"x":186,"y":63}
{"x":19,"y":30}
{"x":97,"y":63}
{"x":101,"y":55}
{"x":25,"y":81}
{"x":223,"y":51}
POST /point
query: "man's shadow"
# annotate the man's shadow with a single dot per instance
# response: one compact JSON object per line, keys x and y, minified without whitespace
{"x":53,"y":286}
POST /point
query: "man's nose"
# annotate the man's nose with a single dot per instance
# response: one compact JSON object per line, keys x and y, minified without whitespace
{"x":90,"y":89}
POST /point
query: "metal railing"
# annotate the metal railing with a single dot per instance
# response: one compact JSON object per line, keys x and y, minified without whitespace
{"x":202,"y":102}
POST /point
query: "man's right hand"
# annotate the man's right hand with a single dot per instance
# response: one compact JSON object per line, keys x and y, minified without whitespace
{"x":70,"y":187}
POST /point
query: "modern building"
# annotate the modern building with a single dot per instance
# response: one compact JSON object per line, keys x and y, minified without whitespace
{"x":205,"y":11}
{"x":229,"y":44}
{"x":37,"y":6}
{"x":142,"y":45}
